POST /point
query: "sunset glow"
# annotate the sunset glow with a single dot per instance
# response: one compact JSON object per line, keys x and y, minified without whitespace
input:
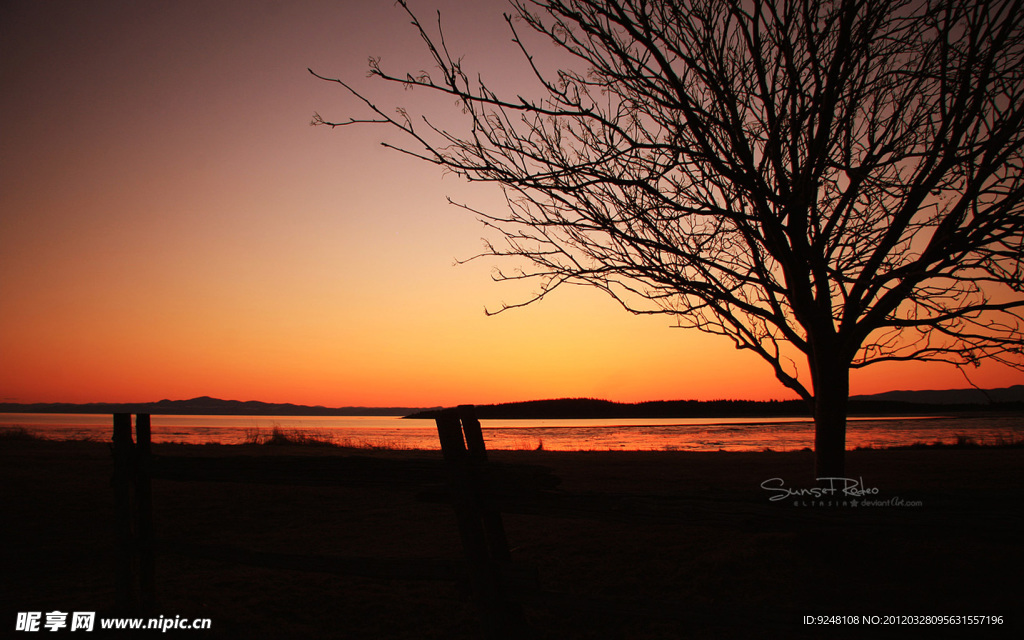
{"x":171,"y":226}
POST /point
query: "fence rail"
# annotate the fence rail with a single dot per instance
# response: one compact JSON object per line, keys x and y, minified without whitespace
{"x":462,"y":478}
{"x":477,"y":489}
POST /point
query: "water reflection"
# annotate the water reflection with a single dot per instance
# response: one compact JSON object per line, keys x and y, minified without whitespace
{"x":740,"y":434}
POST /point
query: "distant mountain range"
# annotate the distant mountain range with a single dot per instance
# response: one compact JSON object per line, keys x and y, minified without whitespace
{"x":892,"y":402}
{"x":206,"y":405}
{"x":951,"y":396}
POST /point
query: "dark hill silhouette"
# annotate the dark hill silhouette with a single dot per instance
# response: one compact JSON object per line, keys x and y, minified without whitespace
{"x":952,"y":396}
{"x":895,"y":403}
{"x":205,"y":405}
{"x":583,"y":408}
{"x":892,"y":403}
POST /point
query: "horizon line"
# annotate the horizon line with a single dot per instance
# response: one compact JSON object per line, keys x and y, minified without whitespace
{"x":430,"y":407}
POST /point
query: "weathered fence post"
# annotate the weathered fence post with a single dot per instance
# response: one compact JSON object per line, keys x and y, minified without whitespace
{"x":144,"y":510}
{"x":480,"y":528}
{"x":123,"y":462}
{"x":133,"y":519}
{"x":494,"y":528}
{"x":474,"y":432}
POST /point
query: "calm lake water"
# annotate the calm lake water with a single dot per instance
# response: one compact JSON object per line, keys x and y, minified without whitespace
{"x":698,"y":434}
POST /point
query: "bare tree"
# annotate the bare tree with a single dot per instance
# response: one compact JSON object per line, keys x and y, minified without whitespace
{"x":835,"y":181}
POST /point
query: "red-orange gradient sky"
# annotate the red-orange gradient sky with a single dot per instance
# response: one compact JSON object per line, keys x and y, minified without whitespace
{"x":171,"y":226}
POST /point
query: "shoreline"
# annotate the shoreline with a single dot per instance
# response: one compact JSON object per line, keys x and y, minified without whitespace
{"x":739,"y":434}
{"x":324,"y":439}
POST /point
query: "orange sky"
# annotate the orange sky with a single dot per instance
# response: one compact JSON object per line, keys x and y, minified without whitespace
{"x":170,"y":226}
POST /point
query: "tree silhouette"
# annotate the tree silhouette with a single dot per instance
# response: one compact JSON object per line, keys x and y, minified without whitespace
{"x":833,"y":182}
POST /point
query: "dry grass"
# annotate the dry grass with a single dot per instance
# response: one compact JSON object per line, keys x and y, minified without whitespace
{"x":18,"y":433}
{"x":715,"y":547}
{"x":279,"y":436}
{"x":962,"y":442}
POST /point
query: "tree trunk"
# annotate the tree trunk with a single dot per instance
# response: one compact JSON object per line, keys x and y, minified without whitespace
{"x":831,"y":398}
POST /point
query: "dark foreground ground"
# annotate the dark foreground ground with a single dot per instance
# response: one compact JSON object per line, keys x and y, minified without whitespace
{"x":648,"y":545}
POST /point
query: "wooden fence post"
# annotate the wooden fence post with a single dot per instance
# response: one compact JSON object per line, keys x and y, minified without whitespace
{"x":480,"y":528}
{"x":123,"y":454}
{"x":494,"y":528}
{"x":474,"y":432}
{"x":144,"y":510}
